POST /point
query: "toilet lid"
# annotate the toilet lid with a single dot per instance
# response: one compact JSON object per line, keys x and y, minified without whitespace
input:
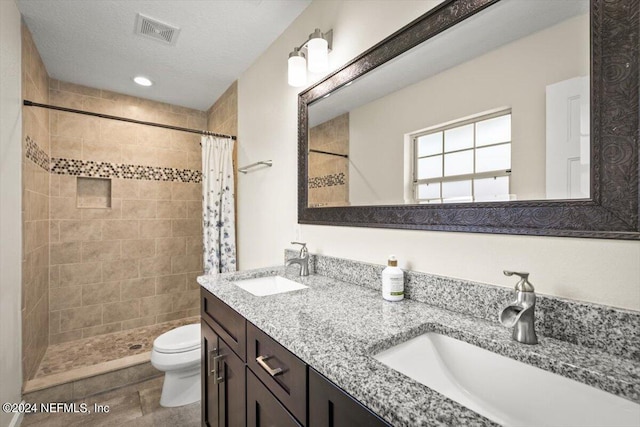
{"x":178,"y":340}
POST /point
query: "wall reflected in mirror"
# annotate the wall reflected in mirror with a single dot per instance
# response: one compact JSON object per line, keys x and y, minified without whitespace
{"x":495,"y":108}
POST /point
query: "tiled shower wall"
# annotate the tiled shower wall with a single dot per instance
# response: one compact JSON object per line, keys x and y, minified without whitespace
{"x":134,"y":263}
{"x":35,"y":209}
{"x":329,"y":175}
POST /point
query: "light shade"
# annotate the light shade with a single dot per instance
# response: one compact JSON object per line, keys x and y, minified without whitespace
{"x":318,"y":52}
{"x":297,"y":69}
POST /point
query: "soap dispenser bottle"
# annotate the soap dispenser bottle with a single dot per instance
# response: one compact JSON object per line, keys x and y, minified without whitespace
{"x":392,"y":281}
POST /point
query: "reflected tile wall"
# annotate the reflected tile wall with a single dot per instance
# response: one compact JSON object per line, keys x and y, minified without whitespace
{"x":329,"y":175}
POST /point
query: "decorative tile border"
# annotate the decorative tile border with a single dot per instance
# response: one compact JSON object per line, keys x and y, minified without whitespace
{"x":36,"y":154}
{"x":327,"y":180}
{"x":610,"y":329}
{"x":87,"y":168}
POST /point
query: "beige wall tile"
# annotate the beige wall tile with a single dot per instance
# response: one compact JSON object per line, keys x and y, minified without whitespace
{"x":54,"y":276}
{"x":118,"y":311}
{"x":100,"y":251}
{"x":138,"y":209}
{"x":120,"y":132}
{"x":186,"y":191}
{"x":186,"y":263}
{"x":68,"y":185}
{"x":74,"y":88}
{"x":101,"y":293}
{"x":172,"y":158}
{"x":194,"y":209}
{"x":155,"y":266}
{"x":74,"y":126}
{"x":103,"y":106}
{"x":64,"y":208}
{"x":65,"y":253}
{"x":139,"y":322}
{"x":171,"y":209}
{"x":67,"y":297}
{"x":153,"y":228}
{"x":171,"y":246}
{"x":66,"y":147}
{"x":120,"y":229}
{"x":54,"y":322}
{"x":171,"y":316}
{"x":114,"y":212}
{"x":125,"y":188}
{"x":186,"y":300}
{"x":65,"y":337}
{"x":195,"y":245}
{"x":80,"y":274}
{"x":101,"y":330}
{"x":171,"y":284}
{"x":186,"y":227}
{"x":192,"y":280}
{"x":142,"y":248}
{"x":193,"y":312}
{"x":156,"y":305}
{"x":101,"y":151}
{"x":137,"y":288}
{"x":139,"y":155}
{"x":81,"y":317}
{"x":120,"y":270}
{"x":156,"y":190}
{"x":71,"y":231}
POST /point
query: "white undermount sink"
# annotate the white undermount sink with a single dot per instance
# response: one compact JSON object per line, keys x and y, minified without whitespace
{"x":269,"y":285}
{"x":504,"y":390}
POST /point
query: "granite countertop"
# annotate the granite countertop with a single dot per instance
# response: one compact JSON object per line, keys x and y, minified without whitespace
{"x":335,"y":327}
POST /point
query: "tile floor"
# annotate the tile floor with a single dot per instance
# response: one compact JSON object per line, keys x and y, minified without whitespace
{"x":103,"y":348}
{"x":136,"y":405}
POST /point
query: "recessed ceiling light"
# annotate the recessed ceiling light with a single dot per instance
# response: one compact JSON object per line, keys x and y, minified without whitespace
{"x":142,"y":81}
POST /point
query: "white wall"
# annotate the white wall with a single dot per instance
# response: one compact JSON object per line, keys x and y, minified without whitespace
{"x":515,"y":75}
{"x":10,"y":206}
{"x":602,"y":271}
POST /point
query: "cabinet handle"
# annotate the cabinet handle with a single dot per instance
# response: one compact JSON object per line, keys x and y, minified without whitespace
{"x":213,"y":366}
{"x":262,"y":361}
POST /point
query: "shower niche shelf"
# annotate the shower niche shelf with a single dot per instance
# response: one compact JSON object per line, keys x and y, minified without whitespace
{"x":93,"y":192}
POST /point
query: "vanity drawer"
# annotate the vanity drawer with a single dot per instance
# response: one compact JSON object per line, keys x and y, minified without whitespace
{"x":225,"y":322}
{"x":280,"y":370}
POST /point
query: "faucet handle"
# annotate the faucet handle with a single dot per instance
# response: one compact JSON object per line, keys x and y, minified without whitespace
{"x":523,"y":285}
{"x":303,"y":251}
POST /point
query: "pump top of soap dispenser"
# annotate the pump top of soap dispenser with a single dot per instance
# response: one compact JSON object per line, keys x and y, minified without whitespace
{"x":393,"y":261}
{"x":523,"y":285}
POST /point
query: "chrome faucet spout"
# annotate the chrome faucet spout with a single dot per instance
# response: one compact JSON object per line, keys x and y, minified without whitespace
{"x":520,"y":314}
{"x":302,"y":260}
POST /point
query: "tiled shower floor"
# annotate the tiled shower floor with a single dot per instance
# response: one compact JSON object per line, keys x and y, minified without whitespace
{"x":104,"y":348}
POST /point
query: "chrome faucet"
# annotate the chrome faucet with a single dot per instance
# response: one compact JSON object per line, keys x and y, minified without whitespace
{"x":520,"y":313}
{"x":302,"y":260}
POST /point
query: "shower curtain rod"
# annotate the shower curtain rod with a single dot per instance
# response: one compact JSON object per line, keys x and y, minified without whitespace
{"x":124,"y":119}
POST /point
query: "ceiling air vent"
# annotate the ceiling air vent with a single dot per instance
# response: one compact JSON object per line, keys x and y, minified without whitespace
{"x":156,"y":30}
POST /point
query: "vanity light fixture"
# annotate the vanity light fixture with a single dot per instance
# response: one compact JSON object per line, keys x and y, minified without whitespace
{"x":142,"y":81}
{"x":313,"y":55}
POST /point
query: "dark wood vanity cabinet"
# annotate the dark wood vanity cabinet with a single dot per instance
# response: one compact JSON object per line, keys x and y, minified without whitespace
{"x":223,"y":382}
{"x":249,"y":379}
{"x":329,"y":406}
{"x":263,"y":409}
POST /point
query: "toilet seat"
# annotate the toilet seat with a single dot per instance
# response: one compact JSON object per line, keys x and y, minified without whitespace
{"x":180,"y":340}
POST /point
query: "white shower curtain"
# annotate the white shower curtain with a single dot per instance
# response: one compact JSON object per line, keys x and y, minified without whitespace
{"x":218,"y":206}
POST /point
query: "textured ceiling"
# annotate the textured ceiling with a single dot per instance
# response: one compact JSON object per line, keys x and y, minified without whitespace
{"x":92,"y":43}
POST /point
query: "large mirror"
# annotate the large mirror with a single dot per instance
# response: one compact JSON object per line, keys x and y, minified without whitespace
{"x":482,"y":115}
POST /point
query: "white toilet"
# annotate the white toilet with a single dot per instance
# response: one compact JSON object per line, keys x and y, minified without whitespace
{"x":177,"y":353}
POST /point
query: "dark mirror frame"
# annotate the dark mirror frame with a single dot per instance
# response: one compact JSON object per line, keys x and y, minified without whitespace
{"x":612,"y":210}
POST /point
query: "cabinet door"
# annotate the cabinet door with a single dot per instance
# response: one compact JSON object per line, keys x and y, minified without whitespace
{"x":329,"y":406}
{"x":209,"y":401}
{"x":223,"y":383}
{"x":231,"y":387}
{"x":263,"y":409}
